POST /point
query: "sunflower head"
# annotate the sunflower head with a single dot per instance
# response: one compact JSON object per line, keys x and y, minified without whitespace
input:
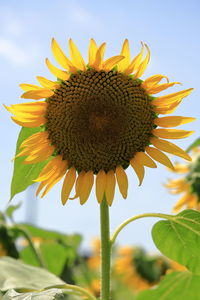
{"x":189,"y":184}
{"x":97,"y":119}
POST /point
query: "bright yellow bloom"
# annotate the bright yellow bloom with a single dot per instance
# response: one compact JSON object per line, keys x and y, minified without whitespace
{"x":97,"y":119}
{"x":189,"y":185}
{"x":124,"y":269}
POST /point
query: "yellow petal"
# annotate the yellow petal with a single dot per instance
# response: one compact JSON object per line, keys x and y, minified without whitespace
{"x":51,"y":184}
{"x":143,"y":159}
{"x":111,"y":62}
{"x":36,"y":95}
{"x":35,"y":138}
{"x":29,"y":87}
{"x":79,"y":183}
{"x":99,"y":57}
{"x":181,"y":202}
{"x":170,"y":148}
{"x":59,"y":173}
{"x":40,"y":187}
{"x":100,"y":185}
{"x":110,"y":187}
{"x":171,"y":98}
{"x":153,"y":81}
{"x":57,"y":72}
{"x":167,"y":109}
{"x":139,"y":170}
{"x":144,"y":64}
{"x":172,"y":121}
{"x":159,"y":156}
{"x":38,"y":157}
{"x":122,"y":181}
{"x":36,"y":149}
{"x":61,"y":58}
{"x":177,"y":183}
{"x":48,"y":84}
{"x":171,"y":133}
{"x":122,"y":65}
{"x":68,"y":184}
{"x":87,"y":184}
{"x":49,"y":169}
{"x":160,"y":87}
{"x":92,"y":52}
{"x":29,"y":123}
{"x":135,"y":62}
{"x":76,"y":57}
{"x":181,"y":169}
{"x":28,"y":108}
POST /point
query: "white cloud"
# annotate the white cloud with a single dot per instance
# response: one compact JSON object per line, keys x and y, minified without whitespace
{"x":13,"y":52}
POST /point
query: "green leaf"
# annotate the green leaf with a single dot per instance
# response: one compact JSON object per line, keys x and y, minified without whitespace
{"x":48,"y":251}
{"x":11,"y":209}
{"x":175,"y":286}
{"x":73,"y":240}
{"x":23,"y":175}
{"x":179,"y":238}
{"x":19,"y":276}
{"x":50,"y":294}
{"x":194,"y":144}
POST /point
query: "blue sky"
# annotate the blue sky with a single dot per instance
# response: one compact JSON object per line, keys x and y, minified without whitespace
{"x":171,"y":31}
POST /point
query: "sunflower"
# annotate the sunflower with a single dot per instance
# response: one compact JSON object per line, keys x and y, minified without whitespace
{"x":189,"y":185}
{"x":96,"y":120}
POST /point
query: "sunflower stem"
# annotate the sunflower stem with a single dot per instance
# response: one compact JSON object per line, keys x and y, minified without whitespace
{"x":105,"y":250}
{"x":147,"y":215}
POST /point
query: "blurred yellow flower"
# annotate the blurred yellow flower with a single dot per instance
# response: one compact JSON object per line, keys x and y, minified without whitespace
{"x":189,"y":185}
{"x":97,"y":119}
{"x":125,"y":270}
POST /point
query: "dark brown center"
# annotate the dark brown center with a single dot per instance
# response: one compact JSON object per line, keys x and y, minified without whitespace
{"x":99,"y":120}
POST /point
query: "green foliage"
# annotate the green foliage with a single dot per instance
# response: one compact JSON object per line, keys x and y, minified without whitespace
{"x":7,"y":242}
{"x":175,"y":286}
{"x":11,"y":209}
{"x":50,"y":294}
{"x":179,"y":238}
{"x":72,"y":240}
{"x":21,"y":277}
{"x":23,"y":175}
{"x":196,"y":143}
{"x":150,"y":268}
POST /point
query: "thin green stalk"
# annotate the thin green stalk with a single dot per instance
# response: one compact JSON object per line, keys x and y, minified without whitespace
{"x":75,"y":288}
{"x":155,"y":215}
{"x":28,"y":238}
{"x":105,"y":250}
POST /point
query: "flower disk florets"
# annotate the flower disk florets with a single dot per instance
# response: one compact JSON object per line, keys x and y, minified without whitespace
{"x":99,"y":120}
